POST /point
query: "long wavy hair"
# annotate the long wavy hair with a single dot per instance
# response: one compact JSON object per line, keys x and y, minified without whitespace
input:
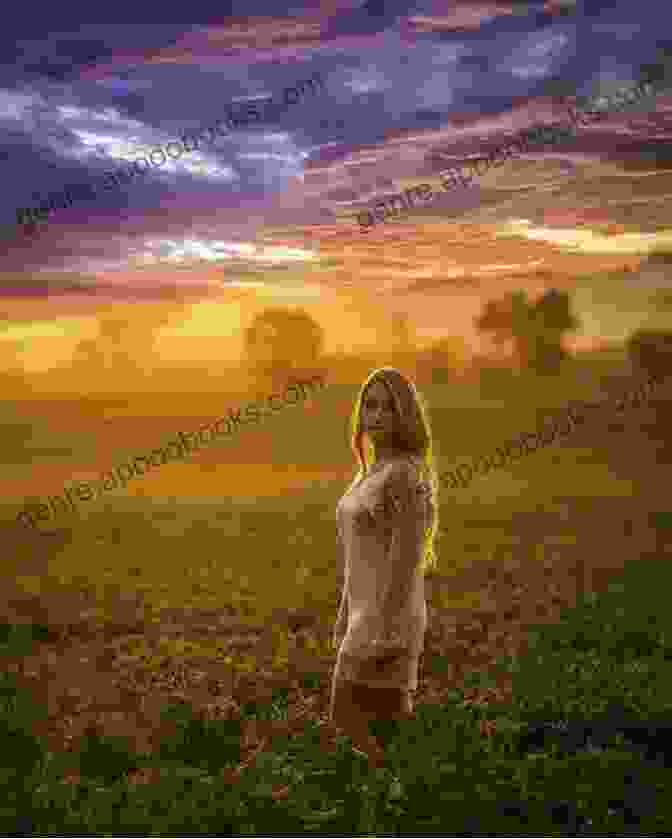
{"x":414,"y":437}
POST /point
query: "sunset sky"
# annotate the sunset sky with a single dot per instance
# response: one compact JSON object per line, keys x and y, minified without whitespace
{"x":408,"y":88}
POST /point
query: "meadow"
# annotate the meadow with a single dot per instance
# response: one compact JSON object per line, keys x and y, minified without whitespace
{"x":175,"y":639}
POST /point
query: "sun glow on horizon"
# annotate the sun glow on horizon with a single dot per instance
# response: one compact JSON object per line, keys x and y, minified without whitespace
{"x":586,"y":240}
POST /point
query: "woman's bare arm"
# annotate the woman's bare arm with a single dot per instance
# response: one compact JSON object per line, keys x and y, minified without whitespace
{"x":341,"y":625}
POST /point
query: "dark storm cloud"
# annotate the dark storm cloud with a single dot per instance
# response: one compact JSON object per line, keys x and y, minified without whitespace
{"x":76,"y":98}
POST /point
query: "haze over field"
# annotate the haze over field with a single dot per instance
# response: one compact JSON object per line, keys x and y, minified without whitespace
{"x":265,"y":216}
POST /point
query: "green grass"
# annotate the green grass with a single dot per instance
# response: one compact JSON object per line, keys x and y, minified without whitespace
{"x":604,"y":670}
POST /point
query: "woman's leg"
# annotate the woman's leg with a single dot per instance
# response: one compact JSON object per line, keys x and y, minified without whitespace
{"x":388,"y":706}
{"x":347,"y":713}
{"x":383,"y":703}
{"x":354,"y":705}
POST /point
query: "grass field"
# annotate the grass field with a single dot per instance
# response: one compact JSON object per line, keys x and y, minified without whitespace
{"x":189,"y":619}
{"x":582,"y":744}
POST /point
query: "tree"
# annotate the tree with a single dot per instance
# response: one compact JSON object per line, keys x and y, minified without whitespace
{"x":554,"y":310}
{"x":535,"y":330}
{"x":124,"y":346}
{"x":650,"y":352}
{"x":508,"y":319}
{"x":552,"y":317}
{"x":282,"y":342}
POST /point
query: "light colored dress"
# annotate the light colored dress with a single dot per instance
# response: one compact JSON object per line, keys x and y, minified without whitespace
{"x":382,"y":522}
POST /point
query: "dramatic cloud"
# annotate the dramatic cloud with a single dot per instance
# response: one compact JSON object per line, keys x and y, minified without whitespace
{"x":407,"y":89}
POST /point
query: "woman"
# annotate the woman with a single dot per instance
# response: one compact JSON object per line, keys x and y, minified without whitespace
{"x":386,"y":522}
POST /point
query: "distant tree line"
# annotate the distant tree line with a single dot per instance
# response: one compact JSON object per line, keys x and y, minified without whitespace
{"x":284,"y":342}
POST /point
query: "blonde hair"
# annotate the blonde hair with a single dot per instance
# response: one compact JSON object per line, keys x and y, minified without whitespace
{"x":414,"y":437}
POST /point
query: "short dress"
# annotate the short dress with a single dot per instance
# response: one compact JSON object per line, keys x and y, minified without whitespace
{"x":382,"y":523}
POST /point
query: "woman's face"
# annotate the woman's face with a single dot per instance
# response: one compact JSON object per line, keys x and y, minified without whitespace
{"x":379,"y":415}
